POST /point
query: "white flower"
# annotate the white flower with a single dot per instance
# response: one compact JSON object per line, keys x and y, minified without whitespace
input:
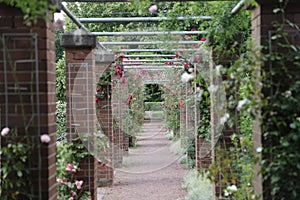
{"x":259,"y":149}
{"x":226,"y":194}
{"x":185,"y":77}
{"x":218,"y":70}
{"x":241,"y":104}
{"x":224,"y":118}
{"x":5,"y":131}
{"x":232,"y":188}
{"x":212,"y":88}
{"x":298,"y":119}
{"x":191,"y":70}
{"x":153,"y":8}
{"x":45,"y":138}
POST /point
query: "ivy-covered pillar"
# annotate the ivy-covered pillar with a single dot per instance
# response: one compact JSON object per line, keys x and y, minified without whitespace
{"x":27,"y":106}
{"x":104,"y":71}
{"x":81,"y":106}
{"x":276,"y":128}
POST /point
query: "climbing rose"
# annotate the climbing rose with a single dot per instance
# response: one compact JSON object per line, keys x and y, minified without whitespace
{"x":97,"y":100}
{"x":69,"y":167}
{"x":180,"y":104}
{"x":153,"y":8}
{"x":5,"y":131}
{"x":45,"y":138}
{"x":58,"y":180}
{"x":203,"y":39}
{"x":73,"y":193}
{"x":186,"y":65}
{"x":71,"y":198}
{"x":78,"y":184}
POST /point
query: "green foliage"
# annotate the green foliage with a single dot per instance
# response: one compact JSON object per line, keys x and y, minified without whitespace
{"x":153,"y":93}
{"x":32,"y":9}
{"x":69,"y":156}
{"x":281,"y":122}
{"x":198,"y":185}
{"x":61,"y":119}
{"x":61,"y":79}
{"x":15,"y":167}
{"x":153,"y":106}
{"x":59,"y":51}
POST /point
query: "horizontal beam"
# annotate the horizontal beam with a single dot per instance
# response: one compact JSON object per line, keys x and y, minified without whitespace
{"x":143,"y":33}
{"x":153,"y":67}
{"x":162,"y":60}
{"x":152,"y":50}
{"x":138,"y":19}
{"x":150,"y":56}
{"x":151,"y":42}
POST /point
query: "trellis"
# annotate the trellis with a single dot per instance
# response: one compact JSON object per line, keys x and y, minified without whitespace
{"x":190,"y":109}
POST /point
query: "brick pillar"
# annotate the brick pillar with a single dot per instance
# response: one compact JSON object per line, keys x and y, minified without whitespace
{"x":104,"y":61}
{"x":27,"y":96}
{"x":81,"y":107}
{"x":262,"y":18}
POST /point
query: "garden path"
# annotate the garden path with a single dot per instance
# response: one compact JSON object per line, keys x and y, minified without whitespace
{"x":150,"y":171}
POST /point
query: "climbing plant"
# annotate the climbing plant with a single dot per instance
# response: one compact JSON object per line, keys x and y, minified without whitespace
{"x":32,"y":9}
{"x":280,"y":121}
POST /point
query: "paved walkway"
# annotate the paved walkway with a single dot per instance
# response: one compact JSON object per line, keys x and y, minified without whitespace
{"x":150,"y":171}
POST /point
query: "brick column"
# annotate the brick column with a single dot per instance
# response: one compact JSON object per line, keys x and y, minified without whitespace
{"x":262,"y":18}
{"x":27,"y":96}
{"x":104,"y":61}
{"x":81,"y":106}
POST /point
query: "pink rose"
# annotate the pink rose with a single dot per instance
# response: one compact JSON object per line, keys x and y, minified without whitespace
{"x":45,"y":138}
{"x":69,"y":167}
{"x":78,"y":184}
{"x":73,"y":193}
{"x":153,"y":8}
{"x":5,"y":131}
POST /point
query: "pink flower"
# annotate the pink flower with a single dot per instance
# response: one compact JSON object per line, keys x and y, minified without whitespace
{"x":73,"y":193}
{"x":5,"y":131}
{"x":45,"y":138}
{"x":58,"y":180}
{"x":203,"y":39}
{"x":153,"y":8}
{"x":71,"y":198}
{"x":180,"y":104}
{"x":69,"y":167}
{"x":78,"y":184}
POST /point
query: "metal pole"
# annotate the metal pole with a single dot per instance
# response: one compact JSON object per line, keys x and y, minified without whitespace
{"x":138,"y":19}
{"x":162,"y":60}
{"x":237,"y":7}
{"x":151,"y":42}
{"x":149,"y":56}
{"x":153,"y":33}
{"x":76,"y":21}
{"x":152,"y":50}
{"x":153,"y":67}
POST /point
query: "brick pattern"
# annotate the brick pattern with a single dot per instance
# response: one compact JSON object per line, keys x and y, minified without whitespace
{"x":29,"y":84}
{"x":105,"y":118}
{"x":81,"y":109}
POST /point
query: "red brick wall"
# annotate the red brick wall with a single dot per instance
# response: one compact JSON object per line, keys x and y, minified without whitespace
{"x":37,"y":92}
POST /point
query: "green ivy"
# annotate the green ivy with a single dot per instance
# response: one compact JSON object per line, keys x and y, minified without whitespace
{"x":32,"y":9}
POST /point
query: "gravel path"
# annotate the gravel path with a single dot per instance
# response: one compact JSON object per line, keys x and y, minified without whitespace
{"x":150,"y":171}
